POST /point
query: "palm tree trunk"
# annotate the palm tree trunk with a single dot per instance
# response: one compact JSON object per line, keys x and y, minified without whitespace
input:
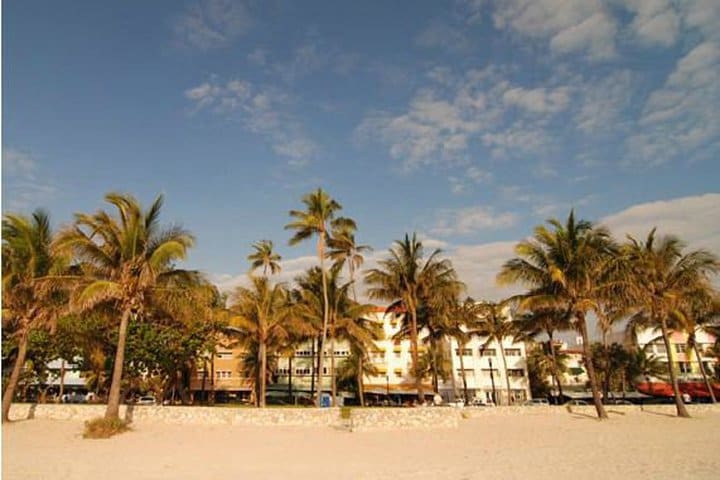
{"x":556,"y":369}
{"x":433,"y":346}
{"x":704,"y":374}
{"x":333,"y":386}
{"x":679,"y":404}
{"x":312,"y":367}
{"x":361,"y":392}
{"x":462,"y":372}
{"x":14,"y":376}
{"x":587,"y":354}
{"x":62,"y":378}
{"x":113,"y":408}
{"x":204,"y":377}
{"x":326,"y":313}
{"x":414,"y":353}
{"x":290,"y":367}
{"x":507,"y":377}
{"x":262,"y":362}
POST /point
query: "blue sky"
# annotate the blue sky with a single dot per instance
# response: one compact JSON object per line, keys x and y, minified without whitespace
{"x":467,"y":121}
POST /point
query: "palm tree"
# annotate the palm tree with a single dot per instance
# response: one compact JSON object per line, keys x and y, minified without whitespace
{"x":699,"y":308}
{"x":495,"y":325}
{"x":566,"y":266}
{"x":128,"y":264}
{"x":263,"y":317}
{"x":344,"y":249}
{"x":314,"y":220}
{"x":545,"y":321}
{"x":264,"y":257}
{"x":404,"y":279}
{"x":361,"y":334}
{"x":26,"y":258}
{"x":660,"y":278}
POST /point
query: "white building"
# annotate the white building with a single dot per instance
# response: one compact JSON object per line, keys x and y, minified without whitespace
{"x":683,"y":358}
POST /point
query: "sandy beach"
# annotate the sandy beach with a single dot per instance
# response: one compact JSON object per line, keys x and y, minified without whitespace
{"x":644,"y":445}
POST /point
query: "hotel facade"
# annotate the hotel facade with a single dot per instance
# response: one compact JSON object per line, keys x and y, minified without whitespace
{"x":485,"y":374}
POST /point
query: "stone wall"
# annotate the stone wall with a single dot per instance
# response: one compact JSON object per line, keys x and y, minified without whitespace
{"x":363,"y":419}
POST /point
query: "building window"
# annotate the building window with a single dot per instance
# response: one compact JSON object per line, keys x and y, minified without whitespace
{"x":488,"y":352}
{"x":302,"y":371}
{"x":512,"y":352}
{"x":398,"y":373}
{"x":684,"y":367}
{"x":224,"y":355}
{"x":466,"y":352}
{"x":494,"y":371}
{"x":679,"y":348}
{"x":398,"y":354}
{"x":516,"y":372}
{"x":660,"y":349}
{"x":303,"y":353}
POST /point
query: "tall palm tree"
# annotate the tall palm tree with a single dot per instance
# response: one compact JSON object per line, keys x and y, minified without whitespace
{"x":263,"y":317}
{"x":568,"y":266}
{"x":660,"y":277}
{"x":26,"y":305}
{"x":317,"y":218}
{"x":361,"y":334}
{"x":405,"y":278}
{"x":495,"y":325}
{"x":344,"y":249}
{"x":128,"y":265}
{"x":264,"y":257}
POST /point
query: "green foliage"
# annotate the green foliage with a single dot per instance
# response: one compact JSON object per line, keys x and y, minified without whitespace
{"x":104,"y":427}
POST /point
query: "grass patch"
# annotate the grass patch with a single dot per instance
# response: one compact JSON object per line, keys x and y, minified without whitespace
{"x":104,"y":428}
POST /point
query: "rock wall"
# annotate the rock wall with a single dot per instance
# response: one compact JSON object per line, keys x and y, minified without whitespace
{"x":361,"y":419}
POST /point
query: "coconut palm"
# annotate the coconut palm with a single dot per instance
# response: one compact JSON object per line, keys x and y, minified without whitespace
{"x":405,"y":278}
{"x":344,"y":249}
{"x":263,"y":318}
{"x":547,"y":322}
{"x":566,"y":266}
{"x":317,"y":218}
{"x":495,"y":325}
{"x":264,"y":257}
{"x":26,"y":305}
{"x":361,"y":334}
{"x":128,"y":263}
{"x":660,"y":278}
{"x":698,"y":309}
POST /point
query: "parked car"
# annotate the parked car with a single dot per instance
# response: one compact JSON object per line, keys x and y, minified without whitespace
{"x":620,"y":401}
{"x":576,"y":402}
{"x":146,"y":400}
{"x":536,"y":402}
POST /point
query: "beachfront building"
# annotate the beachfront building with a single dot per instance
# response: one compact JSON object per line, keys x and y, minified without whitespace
{"x":293,"y":374}
{"x":683,"y":358}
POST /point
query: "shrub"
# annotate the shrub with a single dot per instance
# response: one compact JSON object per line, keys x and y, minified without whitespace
{"x":104,"y":427}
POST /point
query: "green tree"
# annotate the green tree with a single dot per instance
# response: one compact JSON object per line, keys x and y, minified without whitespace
{"x":344,"y":250}
{"x":569,"y":266}
{"x":128,"y":264}
{"x":27,"y":304}
{"x":405,"y":278}
{"x":659,"y":277}
{"x":264,"y":257}
{"x":316,"y":220}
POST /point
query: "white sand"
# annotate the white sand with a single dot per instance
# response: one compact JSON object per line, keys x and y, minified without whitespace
{"x":643,"y":445}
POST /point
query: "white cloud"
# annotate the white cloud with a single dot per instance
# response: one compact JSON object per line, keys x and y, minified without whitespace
{"x":16,"y":162}
{"x":538,"y":100}
{"x":695,"y":219}
{"x":265,"y":111}
{"x":23,"y":189}
{"x":447,"y":37}
{"x":656,"y":22}
{"x":680,"y":119}
{"x":570,"y":26}
{"x":471,"y":176}
{"x":208,"y":24}
{"x":469,"y":220}
{"x":603,"y":102}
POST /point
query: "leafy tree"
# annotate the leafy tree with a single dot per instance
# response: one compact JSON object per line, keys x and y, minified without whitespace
{"x":659,"y":277}
{"x":128,"y":264}
{"x":405,"y":278}
{"x":344,"y":250}
{"x":567,"y":266}
{"x":315,"y":220}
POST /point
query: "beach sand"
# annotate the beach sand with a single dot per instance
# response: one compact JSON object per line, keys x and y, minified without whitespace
{"x":643,"y":445}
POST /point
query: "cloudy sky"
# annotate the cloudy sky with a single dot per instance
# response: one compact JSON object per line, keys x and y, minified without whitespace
{"x":468,"y":121}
